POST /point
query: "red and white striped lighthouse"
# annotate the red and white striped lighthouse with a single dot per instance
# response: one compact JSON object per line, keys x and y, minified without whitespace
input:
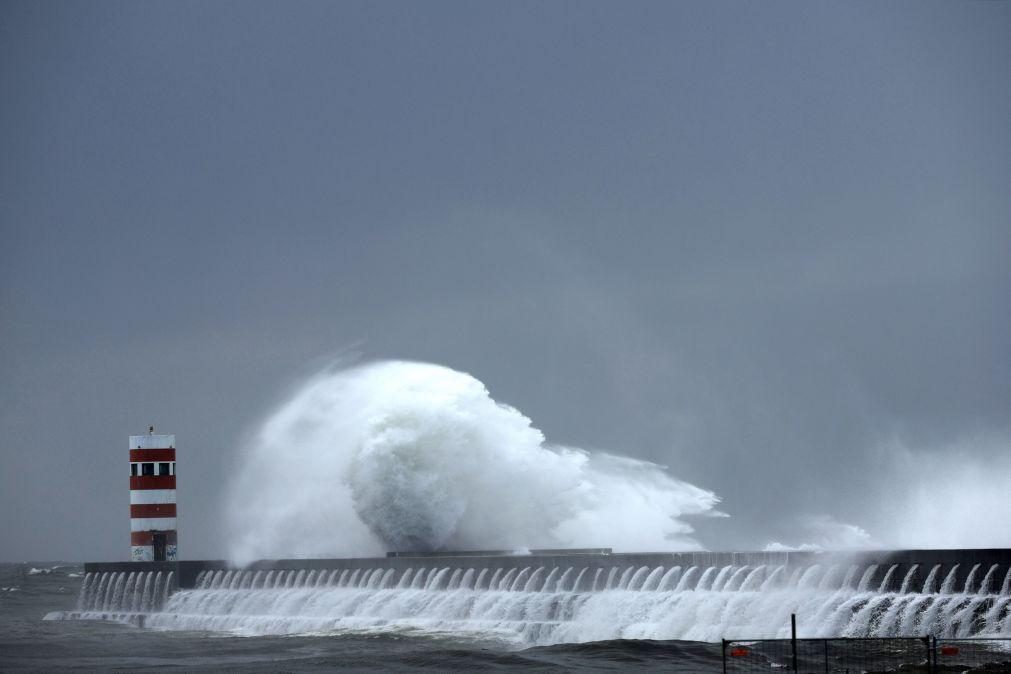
{"x":153,"y":497}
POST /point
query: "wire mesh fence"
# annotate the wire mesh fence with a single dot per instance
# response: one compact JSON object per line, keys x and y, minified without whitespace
{"x":868,"y":655}
{"x":828,"y":655}
{"x":972,"y":655}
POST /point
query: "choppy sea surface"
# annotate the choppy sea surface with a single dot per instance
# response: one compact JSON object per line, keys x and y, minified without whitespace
{"x":29,"y":591}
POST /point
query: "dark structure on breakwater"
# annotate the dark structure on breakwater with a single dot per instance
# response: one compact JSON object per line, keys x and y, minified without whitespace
{"x":185,"y":573}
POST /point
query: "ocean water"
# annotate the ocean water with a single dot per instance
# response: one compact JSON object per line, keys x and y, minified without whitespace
{"x":53,"y":616}
{"x":30,"y":591}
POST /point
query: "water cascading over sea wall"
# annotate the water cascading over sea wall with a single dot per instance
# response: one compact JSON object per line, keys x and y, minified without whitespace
{"x":571,"y":596}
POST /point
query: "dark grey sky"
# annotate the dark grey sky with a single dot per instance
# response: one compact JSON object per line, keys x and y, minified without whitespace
{"x":765,"y":244}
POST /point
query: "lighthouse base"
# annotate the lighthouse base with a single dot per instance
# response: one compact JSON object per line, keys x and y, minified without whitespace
{"x":153,"y":546}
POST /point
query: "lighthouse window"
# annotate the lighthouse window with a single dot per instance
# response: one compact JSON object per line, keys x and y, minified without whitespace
{"x":163,"y":469}
{"x":133,"y":470}
{"x":147,"y":469}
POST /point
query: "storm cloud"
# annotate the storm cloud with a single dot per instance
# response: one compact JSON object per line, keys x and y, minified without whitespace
{"x":765,"y":245}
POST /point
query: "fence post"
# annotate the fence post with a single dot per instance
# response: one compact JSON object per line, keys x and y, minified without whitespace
{"x":793,"y":639}
{"x":825,"y":644}
{"x":724,"y":641}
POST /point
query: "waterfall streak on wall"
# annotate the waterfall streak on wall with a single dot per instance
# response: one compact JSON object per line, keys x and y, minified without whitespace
{"x":539,"y":604}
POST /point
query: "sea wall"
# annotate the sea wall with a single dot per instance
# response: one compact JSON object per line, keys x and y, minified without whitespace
{"x":184,"y":573}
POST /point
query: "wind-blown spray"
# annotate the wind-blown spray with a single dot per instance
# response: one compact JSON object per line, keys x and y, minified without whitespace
{"x":529,"y":601}
{"x":400,"y":455}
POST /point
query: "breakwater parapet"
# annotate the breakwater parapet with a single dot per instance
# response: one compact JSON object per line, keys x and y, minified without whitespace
{"x":185,"y":573}
{"x":553,"y":596}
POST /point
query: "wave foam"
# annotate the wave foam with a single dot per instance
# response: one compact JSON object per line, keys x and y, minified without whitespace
{"x":400,"y":455}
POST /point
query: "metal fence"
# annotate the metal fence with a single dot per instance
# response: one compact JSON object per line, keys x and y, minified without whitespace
{"x":856,"y":655}
{"x":972,"y":655}
{"x":827,"y":655}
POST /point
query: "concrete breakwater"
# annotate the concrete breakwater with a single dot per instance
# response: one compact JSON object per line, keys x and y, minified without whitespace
{"x":185,"y":573}
{"x":554,"y":596}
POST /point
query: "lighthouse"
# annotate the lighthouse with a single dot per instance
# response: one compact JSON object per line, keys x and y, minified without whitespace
{"x":153,"y":497}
